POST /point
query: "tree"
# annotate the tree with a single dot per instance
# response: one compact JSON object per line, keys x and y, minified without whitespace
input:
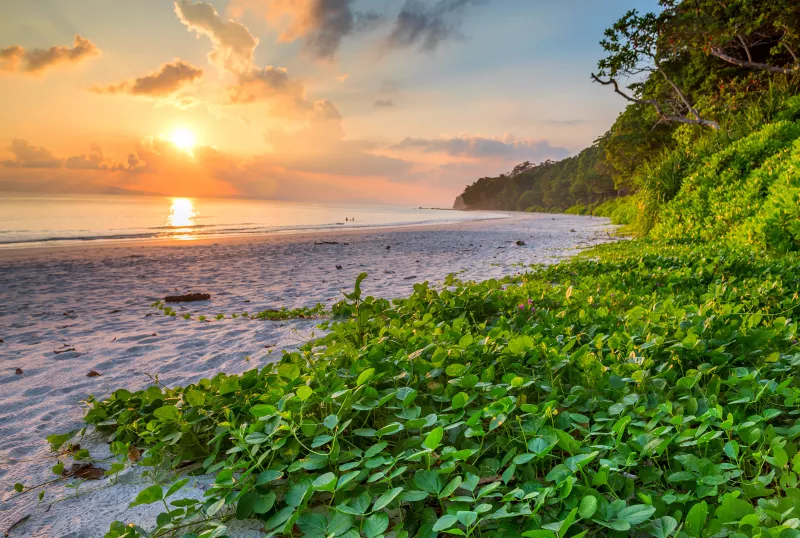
{"x":762,"y":35}
{"x":632,"y":47}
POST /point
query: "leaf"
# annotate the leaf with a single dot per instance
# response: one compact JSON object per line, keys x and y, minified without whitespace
{"x":663,"y":527}
{"x":147,"y":496}
{"x":195,"y":398}
{"x":636,"y":514}
{"x":522,"y":459}
{"x":325,"y":482}
{"x":168,"y":413}
{"x":304,"y":392}
{"x":567,"y":523}
{"x":460,"y":400}
{"x":451,"y":487}
{"x":539,"y":533}
{"x":331,"y":421}
{"x":467,"y":517}
{"x":268,"y":476}
{"x":413,"y":495}
{"x":445,"y":522}
{"x":297,"y":492}
{"x":289,"y":371}
{"x":375,"y":524}
{"x":175,"y":487}
{"x":365,"y":376}
{"x":433,"y":439}
{"x":384,"y":500}
{"x":696,"y":519}
{"x":587,"y":507}
{"x":429,"y":481}
{"x":569,"y":293}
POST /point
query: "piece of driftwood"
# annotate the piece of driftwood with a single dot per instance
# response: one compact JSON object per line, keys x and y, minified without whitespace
{"x":187,"y":297}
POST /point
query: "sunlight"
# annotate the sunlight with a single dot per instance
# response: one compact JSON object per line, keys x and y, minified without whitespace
{"x":184,"y":139}
{"x":181,"y":213}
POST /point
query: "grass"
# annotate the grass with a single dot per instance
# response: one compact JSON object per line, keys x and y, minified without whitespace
{"x":646,"y":390}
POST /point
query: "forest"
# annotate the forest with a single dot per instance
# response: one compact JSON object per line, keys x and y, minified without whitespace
{"x":699,"y":73}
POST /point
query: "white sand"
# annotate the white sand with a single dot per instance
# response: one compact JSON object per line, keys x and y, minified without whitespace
{"x":97,"y":301}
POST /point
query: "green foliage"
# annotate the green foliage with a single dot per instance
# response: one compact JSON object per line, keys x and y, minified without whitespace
{"x":730,"y":186}
{"x":549,"y":186}
{"x":645,"y":391}
{"x":283,"y":313}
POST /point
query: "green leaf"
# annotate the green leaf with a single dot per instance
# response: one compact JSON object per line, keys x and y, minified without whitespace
{"x":429,"y":481}
{"x":460,"y":400}
{"x":445,"y":522}
{"x":467,"y":517}
{"x":331,"y":421}
{"x":451,"y":487}
{"x":636,"y":514}
{"x":168,"y":413}
{"x":433,"y":439}
{"x":587,"y":507}
{"x":567,"y":523}
{"x":365,"y":376}
{"x":304,"y":392}
{"x":375,"y":524}
{"x":539,"y":533}
{"x":195,"y":397}
{"x":696,"y":519}
{"x":384,"y":500}
{"x":268,"y":476}
{"x":325,"y":482}
{"x":147,"y":496}
{"x":289,"y":371}
{"x":175,"y":487}
{"x":297,"y":493}
{"x":663,"y":527}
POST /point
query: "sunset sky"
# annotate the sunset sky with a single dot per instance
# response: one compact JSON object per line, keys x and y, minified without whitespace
{"x":386,"y":101}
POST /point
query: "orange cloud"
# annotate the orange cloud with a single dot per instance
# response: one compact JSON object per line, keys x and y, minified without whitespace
{"x":233,"y":43}
{"x":16,"y":59}
{"x":170,"y":78}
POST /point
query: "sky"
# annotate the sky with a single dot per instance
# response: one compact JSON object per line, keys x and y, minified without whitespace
{"x":399,"y":102}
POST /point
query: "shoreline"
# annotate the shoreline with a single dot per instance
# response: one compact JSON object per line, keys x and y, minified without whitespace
{"x":69,"y":310}
{"x":19,"y":249}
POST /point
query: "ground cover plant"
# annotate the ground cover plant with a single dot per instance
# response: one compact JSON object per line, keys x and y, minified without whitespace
{"x":648,"y":391}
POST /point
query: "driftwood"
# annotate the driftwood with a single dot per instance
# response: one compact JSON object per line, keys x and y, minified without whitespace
{"x":187,"y":298}
{"x":87,"y":471}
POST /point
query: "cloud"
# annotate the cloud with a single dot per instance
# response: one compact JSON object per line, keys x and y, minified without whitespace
{"x":170,"y":78}
{"x":381,"y":103}
{"x":478,"y":147}
{"x":320,"y":24}
{"x":389,"y":86}
{"x":93,"y":161}
{"x":342,"y":78}
{"x":27,"y":155}
{"x":16,"y":59}
{"x":269,"y":83}
{"x":565,"y":122}
{"x":427,"y":24}
{"x":233,"y":43}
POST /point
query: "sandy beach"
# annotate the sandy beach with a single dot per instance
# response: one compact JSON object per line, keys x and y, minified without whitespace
{"x":66,"y":311}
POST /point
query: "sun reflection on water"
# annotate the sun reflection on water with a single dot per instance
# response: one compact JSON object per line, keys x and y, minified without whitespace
{"x":182,"y":215}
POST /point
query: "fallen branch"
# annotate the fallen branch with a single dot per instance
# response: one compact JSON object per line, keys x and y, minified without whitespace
{"x":188,"y":297}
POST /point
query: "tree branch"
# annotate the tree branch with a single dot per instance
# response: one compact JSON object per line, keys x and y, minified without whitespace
{"x":679,"y":92}
{"x":754,"y":65}
{"x":794,"y":56}
{"x":745,"y":47}
{"x":655,"y":104}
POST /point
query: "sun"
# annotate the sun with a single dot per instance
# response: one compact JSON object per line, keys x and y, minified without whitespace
{"x":183,"y":139}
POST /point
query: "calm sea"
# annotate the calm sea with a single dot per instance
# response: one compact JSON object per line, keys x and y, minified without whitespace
{"x":39,"y":220}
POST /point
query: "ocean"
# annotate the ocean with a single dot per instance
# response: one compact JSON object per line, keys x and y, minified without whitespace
{"x":28,"y":220}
